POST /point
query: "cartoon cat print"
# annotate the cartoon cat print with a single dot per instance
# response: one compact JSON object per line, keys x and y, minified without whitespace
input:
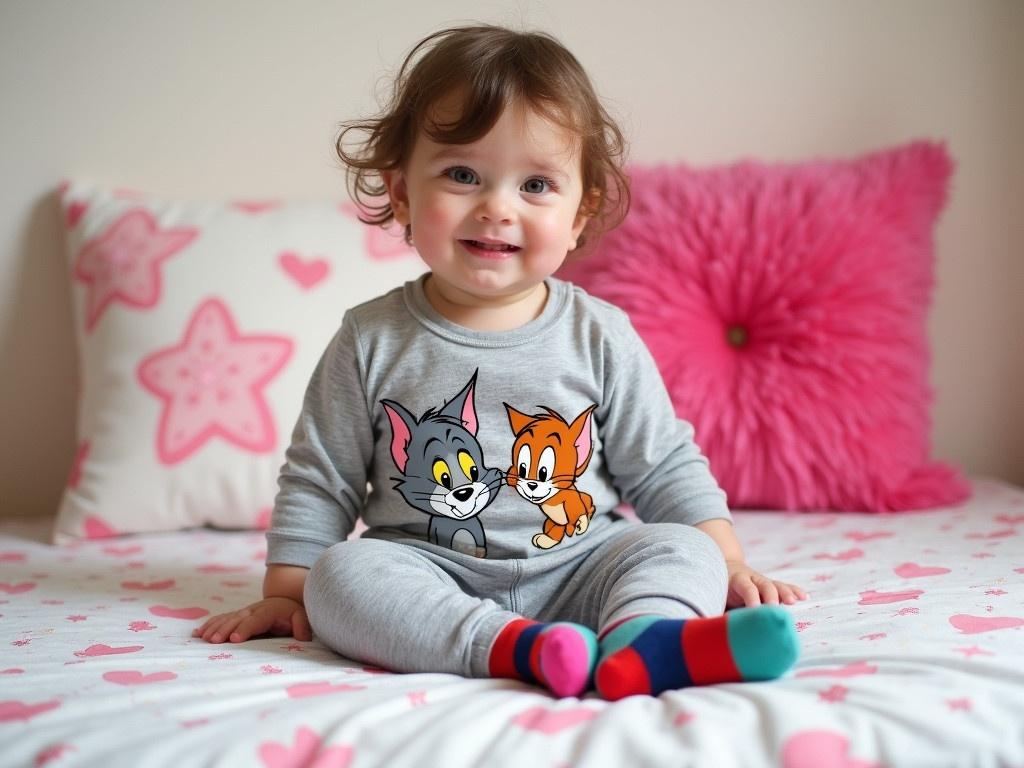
{"x":443,"y":471}
{"x":548,"y":456}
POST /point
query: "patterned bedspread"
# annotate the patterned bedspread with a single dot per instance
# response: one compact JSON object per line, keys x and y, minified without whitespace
{"x":913,"y":654}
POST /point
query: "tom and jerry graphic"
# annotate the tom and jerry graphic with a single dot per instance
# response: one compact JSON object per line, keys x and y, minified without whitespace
{"x":442,"y":466}
{"x":444,"y":473}
{"x":548,"y":456}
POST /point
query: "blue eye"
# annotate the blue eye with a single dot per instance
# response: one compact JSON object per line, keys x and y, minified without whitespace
{"x":461,"y":175}
{"x":537,"y":185}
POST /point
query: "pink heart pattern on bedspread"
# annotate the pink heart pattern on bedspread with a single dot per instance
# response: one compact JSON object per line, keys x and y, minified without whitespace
{"x":21,"y":710}
{"x":16,"y":589}
{"x":102,"y":649}
{"x":820,"y":749}
{"x":874,"y":597}
{"x":192,"y":612}
{"x":134,"y":677}
{"x":915,"y":571}
{"x":552,"y":721}
{"x":972,"y":625}
{"x":307,"y":752}
{"x":877,"y":637}
{"x":302,"y":690}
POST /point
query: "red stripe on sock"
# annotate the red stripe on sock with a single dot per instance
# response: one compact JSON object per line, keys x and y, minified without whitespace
{"x":706,"y":647}
{"x":622,"y":674}
{"x":502,"y":660}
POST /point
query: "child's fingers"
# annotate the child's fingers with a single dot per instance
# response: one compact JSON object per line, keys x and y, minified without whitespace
{"x":769,"y":592}
{"x":206,"y":631}
{"x":229,"y":630}
{"x":786,"y":593}
{"x":256,"y":623}
{"x":790,"y":592}
{"x":215,"y":632}
{"x":746,"y":590}
{"x":198,"y":631}
{"x":201,"y":629}
{"x":300,"y":626}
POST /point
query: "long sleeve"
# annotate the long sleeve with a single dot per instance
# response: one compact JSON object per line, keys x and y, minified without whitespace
{"x":654,"y":462}
{"x":322,"y":485}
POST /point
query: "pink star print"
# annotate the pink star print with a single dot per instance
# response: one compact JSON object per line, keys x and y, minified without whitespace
{"x":123,"y":264}
{"x":211,"y":384}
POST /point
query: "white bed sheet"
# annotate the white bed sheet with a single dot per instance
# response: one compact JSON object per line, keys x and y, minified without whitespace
{"x":913,"y":654}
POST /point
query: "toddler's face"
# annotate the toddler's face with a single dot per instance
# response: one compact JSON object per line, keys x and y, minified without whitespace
{"x":493,"y":218}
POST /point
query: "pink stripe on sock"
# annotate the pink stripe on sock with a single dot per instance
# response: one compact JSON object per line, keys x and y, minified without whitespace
{"x":564,"y":661}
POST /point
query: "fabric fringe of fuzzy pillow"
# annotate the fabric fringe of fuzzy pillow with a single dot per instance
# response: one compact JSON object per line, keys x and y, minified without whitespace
{"x":786,"y":306}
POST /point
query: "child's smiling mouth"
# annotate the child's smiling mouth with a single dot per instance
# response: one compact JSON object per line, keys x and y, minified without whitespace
{"x":496,"y":250}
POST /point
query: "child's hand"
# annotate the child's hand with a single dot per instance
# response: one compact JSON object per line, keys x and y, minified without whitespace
{"x":748,"y":587}
{"x":272,"y":615}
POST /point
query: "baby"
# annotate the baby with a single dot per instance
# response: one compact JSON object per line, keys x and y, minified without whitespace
{"x":500,"y":416}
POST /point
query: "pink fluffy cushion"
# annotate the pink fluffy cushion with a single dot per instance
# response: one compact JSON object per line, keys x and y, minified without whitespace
{"x":786,"y":307}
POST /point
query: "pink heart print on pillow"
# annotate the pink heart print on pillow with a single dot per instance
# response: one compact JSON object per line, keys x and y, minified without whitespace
{"x":306,"y":272}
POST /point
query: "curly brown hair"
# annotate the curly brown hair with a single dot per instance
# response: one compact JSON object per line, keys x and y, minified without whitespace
{"x":492,"y":68}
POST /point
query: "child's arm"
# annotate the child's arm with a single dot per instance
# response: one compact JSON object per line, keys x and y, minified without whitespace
{"x":747,"y":586}
{"x":280,"y":612}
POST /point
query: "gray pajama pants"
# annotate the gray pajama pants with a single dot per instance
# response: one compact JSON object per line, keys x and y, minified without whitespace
{"x":409,"y":608}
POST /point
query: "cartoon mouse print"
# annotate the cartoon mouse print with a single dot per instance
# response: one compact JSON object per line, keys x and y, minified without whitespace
{"x":548,"y":456}
{"x":443,"y":471}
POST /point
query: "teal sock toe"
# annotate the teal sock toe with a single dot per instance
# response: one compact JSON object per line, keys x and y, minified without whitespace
{"x":763,"y":641}
{"x":624,"y":634}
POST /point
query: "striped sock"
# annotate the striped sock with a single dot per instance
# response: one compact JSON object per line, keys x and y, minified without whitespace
{"x":559,"y":656}
{"x":651,"y":654}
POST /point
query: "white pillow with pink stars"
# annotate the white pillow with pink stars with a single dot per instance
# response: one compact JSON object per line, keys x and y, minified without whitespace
{"x":198,"y":326}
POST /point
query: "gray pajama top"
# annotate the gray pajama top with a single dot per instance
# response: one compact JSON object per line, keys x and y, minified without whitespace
{"x":498,"y":444}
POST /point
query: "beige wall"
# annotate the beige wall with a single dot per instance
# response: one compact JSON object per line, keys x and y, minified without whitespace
{"x":236,"y":97}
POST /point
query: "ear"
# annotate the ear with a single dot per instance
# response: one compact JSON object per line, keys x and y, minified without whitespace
{"x":398,"y":194}
{"x":583,"y":215}
{"x":518,"y":421}
{"x":579,"y":431}
{"x":401,"y":432}
{"x":463,"y":407}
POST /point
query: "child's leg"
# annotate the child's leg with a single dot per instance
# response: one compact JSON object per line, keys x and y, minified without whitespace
{"x":395,"y":606}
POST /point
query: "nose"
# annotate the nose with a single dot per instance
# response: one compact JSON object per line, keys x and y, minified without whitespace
{"x":462,"y":493}
{"x":533,"y":486}
{"x":494,"y":208}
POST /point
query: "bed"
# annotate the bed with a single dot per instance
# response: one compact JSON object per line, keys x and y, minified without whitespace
{"x":912,"y":654}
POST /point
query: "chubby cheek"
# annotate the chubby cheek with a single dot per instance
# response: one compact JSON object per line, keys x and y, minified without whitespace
{"x":434,"y":221}
{"x":552,"y":231}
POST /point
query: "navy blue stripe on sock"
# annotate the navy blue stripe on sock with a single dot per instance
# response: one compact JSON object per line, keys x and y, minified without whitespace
{"x":521,"y":654}
{"x":661,"y":648}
